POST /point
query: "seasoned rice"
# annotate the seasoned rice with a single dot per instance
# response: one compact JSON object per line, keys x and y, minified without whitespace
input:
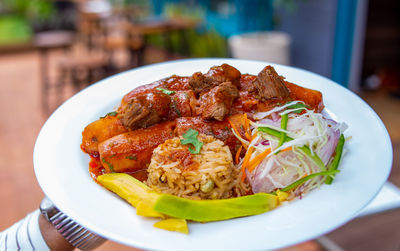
{"x":210,"y":174}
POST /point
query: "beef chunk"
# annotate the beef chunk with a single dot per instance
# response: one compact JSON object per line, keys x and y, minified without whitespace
{"x":182,"y":104}
{"x":217,"y":102}
{"x":145,"y":110}
{"x":201,"y":83}
{"x":225,"y":73}
{"x":269,"y":85}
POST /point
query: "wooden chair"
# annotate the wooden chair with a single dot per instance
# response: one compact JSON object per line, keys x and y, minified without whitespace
{"x":164,"y":28}
{"x":86,"y":62}
{"x":133,"y":45}
{"x":82,"y":68}
{"x":44,"y":42}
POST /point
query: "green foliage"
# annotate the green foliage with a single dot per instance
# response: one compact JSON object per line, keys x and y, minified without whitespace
{"x":16,"y":27}
{"x":207,"y":44}
{"x":199,"y":44}
{"x":184,"y":10}
{"x":192,"y":43}
{"x":14,"y":30}
{"x":31,"y":9}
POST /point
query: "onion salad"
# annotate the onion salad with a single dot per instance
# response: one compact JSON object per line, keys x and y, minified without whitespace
{"x":290,"y":149}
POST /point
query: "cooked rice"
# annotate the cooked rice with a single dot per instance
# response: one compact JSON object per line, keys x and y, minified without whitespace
{"x":210,"y":174}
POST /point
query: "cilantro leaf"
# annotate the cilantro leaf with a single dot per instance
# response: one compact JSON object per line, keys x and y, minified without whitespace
{"x":165,"y":91}
{"x":131,"y":157}
{"x":190,"y":137}
{"x":109,"y":114}
{"x":174,"y":106}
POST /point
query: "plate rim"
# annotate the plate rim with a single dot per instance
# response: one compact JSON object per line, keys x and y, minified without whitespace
{"x":40,"y":178}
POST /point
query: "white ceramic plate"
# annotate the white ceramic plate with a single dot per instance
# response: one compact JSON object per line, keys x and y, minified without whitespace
{"x":62,"y":169}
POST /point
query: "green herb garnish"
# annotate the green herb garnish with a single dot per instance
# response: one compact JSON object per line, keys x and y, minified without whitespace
{"x":165,"y":91}
{"x":336,"y":160}
{"x":299,"y":106}
{"x":175,"y":108}
{"x":273,"y":132}
{"x":109,"y":114}
{"x":190,"y":137}
{"x":305,"y":149}
{"x":313,"y":157}
{"x":131,"y":157}
{"x":308,"y":177}
{"x":110,"y":166}
{"x":284,"y":122}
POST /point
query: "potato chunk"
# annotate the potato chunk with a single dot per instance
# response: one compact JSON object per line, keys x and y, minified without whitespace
{"x":131,"y":151}
{"x":98,"y":131}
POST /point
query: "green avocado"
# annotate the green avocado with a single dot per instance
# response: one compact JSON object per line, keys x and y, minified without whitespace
{"x":215,"y":210}
{"x":153,"y":204}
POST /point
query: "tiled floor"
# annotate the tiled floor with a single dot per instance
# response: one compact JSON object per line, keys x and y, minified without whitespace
{"x":22,"y":118}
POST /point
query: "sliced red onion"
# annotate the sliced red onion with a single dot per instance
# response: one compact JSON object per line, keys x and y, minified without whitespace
{"x":337,"y":126}
{"x":270,"y":175}
{"x":276,"y":123}
{"x":328,"y":149}
{"x":265,"y":142}
{"x":275,"y":117}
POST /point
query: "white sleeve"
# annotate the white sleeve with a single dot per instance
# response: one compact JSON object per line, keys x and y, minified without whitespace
{"x":24,"y":235}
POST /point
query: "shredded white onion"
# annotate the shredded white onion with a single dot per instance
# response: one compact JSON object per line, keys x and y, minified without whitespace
{"x":261,"y":115}
{"x":307,"y":128}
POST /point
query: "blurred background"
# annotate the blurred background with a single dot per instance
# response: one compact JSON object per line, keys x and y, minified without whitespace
{"x":50,"y":50}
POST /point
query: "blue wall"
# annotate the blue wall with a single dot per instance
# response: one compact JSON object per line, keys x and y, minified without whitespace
{"x":321,"y":30}
{"x":345,"y":24}
{"x":312,"y":28}
{"x":244,"y":16}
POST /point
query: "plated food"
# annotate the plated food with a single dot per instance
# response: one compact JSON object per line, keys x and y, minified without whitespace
{"x":61,"y":168}
{"x":213,"y":141}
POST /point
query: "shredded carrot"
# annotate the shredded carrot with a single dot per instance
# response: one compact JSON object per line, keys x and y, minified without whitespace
{"x":247,"y":136}
{"x":257,"y":160}
{"x":237,"y":132}
{"x":247,"y":123}
{"x":234,"y":127}
{"x":247,"y":126}
{"x":246,"y":161}
{"x":238,"y":155}
{"x":286,"y":149}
